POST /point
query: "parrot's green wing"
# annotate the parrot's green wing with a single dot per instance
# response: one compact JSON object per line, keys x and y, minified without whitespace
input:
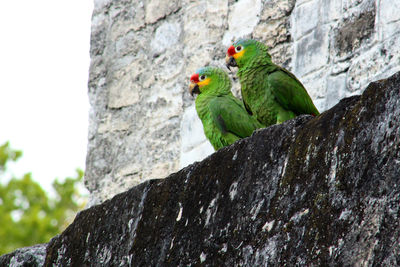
{"x":231,"y":117}
{"x":290,"y":93}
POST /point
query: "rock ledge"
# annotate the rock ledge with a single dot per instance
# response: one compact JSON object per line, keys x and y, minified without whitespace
{"x":312,"y":191}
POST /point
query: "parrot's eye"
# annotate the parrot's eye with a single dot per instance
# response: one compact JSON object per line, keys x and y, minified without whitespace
{"x":238,"y":48}
{"x":202,"y":77}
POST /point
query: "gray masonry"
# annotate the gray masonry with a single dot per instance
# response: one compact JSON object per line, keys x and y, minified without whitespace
{"x":143,"y":123}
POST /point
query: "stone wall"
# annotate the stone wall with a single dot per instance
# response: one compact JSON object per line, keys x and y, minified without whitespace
{"x":142,"y":120}
{"x":313,"y":191}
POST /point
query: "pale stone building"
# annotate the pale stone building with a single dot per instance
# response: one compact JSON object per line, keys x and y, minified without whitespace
{"x":143,"y":123}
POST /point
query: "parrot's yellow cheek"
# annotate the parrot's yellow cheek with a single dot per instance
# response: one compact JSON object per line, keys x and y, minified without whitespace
{"x":239,"y":54}
{"x":203,"y":83}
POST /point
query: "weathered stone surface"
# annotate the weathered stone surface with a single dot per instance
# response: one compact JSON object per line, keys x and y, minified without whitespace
{"x":336,"y":89}
{"x":277,"y":9}
{"x":353,"y":32}
{"x":376,"y":63}
{"x":330,"y":10}
{"x":342,"y":37}
{"x":194,"y":147}
{"x":312,"y":51}
{"x":156,"y":10}
{"x":389,"y":18}
{"x":318,"y":191}
{"x":28,"y":256}
{"x":166,"y":36}
{"x":136,"y":93}
{"x":306,"y":18}
{"x":242,"y":20}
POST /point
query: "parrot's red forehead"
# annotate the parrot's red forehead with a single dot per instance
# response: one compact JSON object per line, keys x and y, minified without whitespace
{"x":231,"y":51}
{"x":195,"y":78}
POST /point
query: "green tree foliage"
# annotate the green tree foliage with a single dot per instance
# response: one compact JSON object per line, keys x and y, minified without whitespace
{"x":28,"y":215}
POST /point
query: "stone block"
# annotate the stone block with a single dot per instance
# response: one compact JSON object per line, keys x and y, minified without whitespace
{"x":282,"y":54}
{"x":196,"y":60}
{"x":336,"y":90}
{"x":349,"y":5}
{"x":312,"y":52}
{"x":340,"y":67}
{"x":163,"y":169}
{"x":169,"y":66}
{"x":130,"y":44}
{"x":330,"y":10}
{"x":124,"y":87}
{"x":389,"y":30}
{"x":315,"y":83}
{"x":98,"y":38}
{"x":125,"y":18}
{"x":305,"y":17}
{"x":276,"y":9}
{"x":157,"y":9}
{"x":271,"y":32}
{"x":99,"y":5}
{"x":198,"y":153}
{"x":192,"y":133}
{"x":112,"y":124}
{"x":389,"y":11}
{"x":320,"y":104}
{"x":165,"y":37}
{"x":218,"y":10}
{"x":195,"y":28}
{"x":382,"y":58}
{"x":353,"y":31}
{"x":243,"y":18}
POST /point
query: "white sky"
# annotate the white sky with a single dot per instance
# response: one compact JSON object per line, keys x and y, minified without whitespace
{"x":44,"y":63}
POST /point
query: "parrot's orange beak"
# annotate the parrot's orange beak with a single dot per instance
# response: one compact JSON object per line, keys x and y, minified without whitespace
{"x":194,"y":88}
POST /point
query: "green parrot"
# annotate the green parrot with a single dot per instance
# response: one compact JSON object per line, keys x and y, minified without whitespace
{"x":224,"y":118}
{"x":270,"y":93}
